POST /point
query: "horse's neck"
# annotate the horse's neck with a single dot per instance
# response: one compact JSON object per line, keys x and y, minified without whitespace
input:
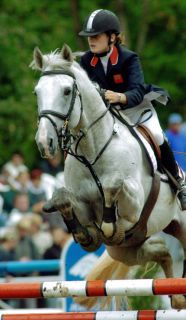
{"x":98,"y":134}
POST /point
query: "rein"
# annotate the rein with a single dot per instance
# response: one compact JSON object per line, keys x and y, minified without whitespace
{"x":64,"y":137}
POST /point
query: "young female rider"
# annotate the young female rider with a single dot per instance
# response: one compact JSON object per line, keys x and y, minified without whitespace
{"x":118,"y":70}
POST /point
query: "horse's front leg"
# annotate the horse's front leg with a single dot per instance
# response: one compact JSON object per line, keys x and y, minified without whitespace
{"x":122,"y":201}
{"x":85,"y":234}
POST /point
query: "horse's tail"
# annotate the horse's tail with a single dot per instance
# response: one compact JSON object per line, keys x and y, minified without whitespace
{"x":105,"y":269}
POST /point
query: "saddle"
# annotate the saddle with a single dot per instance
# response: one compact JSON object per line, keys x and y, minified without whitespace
{"x":166,"y":176}
{"x":146,"y":133}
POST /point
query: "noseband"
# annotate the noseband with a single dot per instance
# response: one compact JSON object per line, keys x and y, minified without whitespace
{"x":66,"y":117}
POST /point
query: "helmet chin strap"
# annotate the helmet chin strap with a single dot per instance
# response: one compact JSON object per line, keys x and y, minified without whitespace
{"x":103,"y":54}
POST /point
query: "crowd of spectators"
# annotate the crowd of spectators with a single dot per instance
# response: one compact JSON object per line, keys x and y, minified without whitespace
{"x":26,"y":232}
{"x":176,"y":135}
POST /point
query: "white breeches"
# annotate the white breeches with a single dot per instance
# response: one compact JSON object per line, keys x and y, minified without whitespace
{"x":152,"y":124}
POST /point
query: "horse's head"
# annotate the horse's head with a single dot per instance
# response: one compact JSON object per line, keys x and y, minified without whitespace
{"x":58,"y":99}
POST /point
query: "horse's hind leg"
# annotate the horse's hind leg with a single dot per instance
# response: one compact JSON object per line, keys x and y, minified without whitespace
{"x":153,"y":249}
{"x":177,"y":228}
{"x":158,"y":251}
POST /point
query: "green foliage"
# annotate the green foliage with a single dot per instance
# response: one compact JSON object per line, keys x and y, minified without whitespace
{"x":146,"y":302}
{"x":48,"y":24}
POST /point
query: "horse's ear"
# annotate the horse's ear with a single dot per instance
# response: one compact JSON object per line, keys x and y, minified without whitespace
{"x":38,"y":57}
{"x":66,"y":53}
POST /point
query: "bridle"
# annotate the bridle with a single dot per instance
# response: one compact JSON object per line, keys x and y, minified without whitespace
{"x":66,"y":117}
{"x":66,"y":139}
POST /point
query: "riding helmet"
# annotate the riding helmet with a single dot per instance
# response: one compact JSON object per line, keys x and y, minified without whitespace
{"x":100,"y":21}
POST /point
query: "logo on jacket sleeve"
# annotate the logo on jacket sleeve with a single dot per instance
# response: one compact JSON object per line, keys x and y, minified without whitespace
{"x":118,"y":78}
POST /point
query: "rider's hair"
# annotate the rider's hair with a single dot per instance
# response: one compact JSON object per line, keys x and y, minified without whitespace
{"x":120,"y":38}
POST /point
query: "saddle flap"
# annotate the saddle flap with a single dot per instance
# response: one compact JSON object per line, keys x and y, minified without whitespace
{"x":147,"y":134}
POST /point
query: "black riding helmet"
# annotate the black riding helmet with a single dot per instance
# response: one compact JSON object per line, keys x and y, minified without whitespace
{"x":100,"y":21}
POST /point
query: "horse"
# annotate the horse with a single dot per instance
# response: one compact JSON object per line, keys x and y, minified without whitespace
{"x":107,"y":174}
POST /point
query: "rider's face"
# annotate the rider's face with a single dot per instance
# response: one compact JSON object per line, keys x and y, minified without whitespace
{"x":99,"y":43}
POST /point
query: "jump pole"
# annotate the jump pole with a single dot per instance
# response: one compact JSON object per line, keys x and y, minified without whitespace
{"x":103,"y":315}
{"x":98,"y":288}
{"x":18,"y":267}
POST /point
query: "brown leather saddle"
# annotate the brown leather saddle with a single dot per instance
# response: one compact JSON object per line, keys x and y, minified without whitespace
{"x":146,"y":133}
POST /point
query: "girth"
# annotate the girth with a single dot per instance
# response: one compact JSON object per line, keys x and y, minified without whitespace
{"x":138,"y":233}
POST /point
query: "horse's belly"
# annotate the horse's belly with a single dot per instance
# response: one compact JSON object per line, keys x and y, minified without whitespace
{"x":164,"y":210}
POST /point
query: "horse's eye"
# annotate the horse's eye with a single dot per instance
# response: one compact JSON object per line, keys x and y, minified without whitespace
{"x":67,"y":91}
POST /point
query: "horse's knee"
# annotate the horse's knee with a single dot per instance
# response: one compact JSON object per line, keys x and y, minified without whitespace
{"x":61,"y":201}
{"x":159,"y":137}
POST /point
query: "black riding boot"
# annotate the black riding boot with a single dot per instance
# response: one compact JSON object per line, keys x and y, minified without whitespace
{"x":170,"y":164}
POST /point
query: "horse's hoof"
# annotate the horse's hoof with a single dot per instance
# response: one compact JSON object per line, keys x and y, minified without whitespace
{"x":94,"y":242}
{"x":49,"y":207}
{"x":108,"y":229}
{"x":118,"y":236}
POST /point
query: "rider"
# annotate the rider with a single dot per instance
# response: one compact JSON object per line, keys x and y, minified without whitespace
{"x":118,"y":70}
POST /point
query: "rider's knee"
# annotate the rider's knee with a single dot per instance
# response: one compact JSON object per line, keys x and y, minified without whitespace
{"x":159,"y":137}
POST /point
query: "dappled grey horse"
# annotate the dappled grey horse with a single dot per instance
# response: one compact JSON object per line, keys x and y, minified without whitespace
{"x":107,"y":174}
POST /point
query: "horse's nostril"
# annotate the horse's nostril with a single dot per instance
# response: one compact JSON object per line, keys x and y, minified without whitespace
{"x":50,"y":143}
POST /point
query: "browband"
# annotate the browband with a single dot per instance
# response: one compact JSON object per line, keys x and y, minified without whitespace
{"x":61,"y":71}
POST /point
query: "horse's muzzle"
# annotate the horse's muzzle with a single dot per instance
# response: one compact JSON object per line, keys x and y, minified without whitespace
{"x":48,"y":146}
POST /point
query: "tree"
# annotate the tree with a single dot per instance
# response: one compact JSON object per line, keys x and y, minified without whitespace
{"x":154,"y":28}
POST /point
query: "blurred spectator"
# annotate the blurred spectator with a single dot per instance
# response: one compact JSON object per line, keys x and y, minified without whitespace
{"x":183,"y":129}
{"x":12,"y":181}
{"x":21,"y":182}
{"x":20,"y":209}
{"x":36,"y":190}
{"x":52,"y":165}
{"x":8,"y":244}
{"x":26,"y":250}
{"x":16,"y":165}
{"x":177,"y":139}
{"x":60,"y":237}
{"x":8,"y":199}
{"x":42,"y":239}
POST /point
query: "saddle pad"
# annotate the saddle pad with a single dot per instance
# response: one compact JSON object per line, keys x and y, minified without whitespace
{"x":151,"y":155}
{"x":149,"y":150}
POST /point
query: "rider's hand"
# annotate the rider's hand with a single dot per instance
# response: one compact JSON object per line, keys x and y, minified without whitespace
{"x":115,"y":97}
